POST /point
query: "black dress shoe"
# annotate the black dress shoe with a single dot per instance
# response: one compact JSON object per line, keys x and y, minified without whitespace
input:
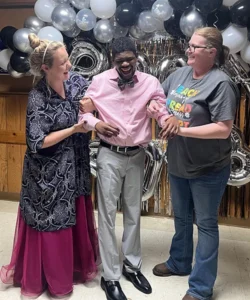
{"x":112,"y":289}
{"x":138,"y":280}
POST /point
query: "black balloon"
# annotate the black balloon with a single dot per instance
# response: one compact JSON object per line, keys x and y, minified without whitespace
{"x":19,"y":62}
{"x":220,"y":18}
{"x":126,"y":14}
{"x":240,"y":13}
{"x":207,"y":6}
{"x":180,"y":4}
{"x":145,"y":4}
{"x":7,"y":34}
{"x":119,"y":2}
{"x":172,"y":25}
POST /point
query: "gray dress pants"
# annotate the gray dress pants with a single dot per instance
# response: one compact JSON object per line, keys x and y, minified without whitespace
{"x":119,"y":175}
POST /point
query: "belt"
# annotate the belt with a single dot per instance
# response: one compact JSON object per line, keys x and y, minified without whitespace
{"x":118,"y":149}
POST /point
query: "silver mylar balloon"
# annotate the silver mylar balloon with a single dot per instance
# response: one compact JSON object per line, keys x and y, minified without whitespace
{"x":80,"y":4}
{"x":63,"y":17}
{"x":147,"y":22}
{"x":119,"y":31}
{"x":136,"y":33}
{"x":14,"y":73}
{"x":103,"y":31}
{"x":85,"y":19}
{"x":73,"y":32}
{"x":21,"y":40}
{"x":190,"y":20}
{"x":33,"y":23}
{"x":61,"y":1}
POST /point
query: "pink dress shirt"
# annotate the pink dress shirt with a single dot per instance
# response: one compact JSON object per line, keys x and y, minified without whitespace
{"x":125,"y":109}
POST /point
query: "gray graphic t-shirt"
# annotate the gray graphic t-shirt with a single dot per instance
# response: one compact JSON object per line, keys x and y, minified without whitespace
{"x":197,"y":102}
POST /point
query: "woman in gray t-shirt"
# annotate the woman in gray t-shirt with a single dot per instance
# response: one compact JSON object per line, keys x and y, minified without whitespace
{"x":203,"y":99}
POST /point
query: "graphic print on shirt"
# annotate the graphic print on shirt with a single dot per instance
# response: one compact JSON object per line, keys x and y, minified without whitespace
{"x":179,"y":105}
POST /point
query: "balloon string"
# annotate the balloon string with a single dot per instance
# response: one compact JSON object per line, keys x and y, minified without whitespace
{"x":217,"y":19}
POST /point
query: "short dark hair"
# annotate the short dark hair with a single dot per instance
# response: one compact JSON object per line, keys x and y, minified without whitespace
{"x":123,"y":44}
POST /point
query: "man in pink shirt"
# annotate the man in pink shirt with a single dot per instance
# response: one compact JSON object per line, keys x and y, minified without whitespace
{"x":120,"y":96}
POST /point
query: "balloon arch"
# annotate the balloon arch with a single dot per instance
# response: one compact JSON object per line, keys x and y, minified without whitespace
{"x":160,"y":29}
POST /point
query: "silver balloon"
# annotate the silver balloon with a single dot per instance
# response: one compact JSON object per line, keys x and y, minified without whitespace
{"x":34,"y":24}
{"x":21,"y":40}
{"x":143,"y":63}
{"x":162,"y":10}
{"x":168,"y":64}
{"x":103,"y":31}
{"x":88,"y":59}
{"x":240,"y":159}
{"x":73,"y":32}
{"x":61,"y":1}
{"x":136,"y":33}
{"x":80,"y":4}
{"x":147,"y":22}
{"x":63,"y":17}
{"x":119,"y":31}
{"x":14,"y":73}
{"x":190,"y":20}
{"x":85,"y":19}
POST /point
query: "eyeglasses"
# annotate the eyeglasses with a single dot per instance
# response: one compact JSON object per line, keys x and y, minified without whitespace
{"x":193,"y":47}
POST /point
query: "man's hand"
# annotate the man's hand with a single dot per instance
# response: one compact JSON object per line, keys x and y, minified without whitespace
{"x":170,"y":128}
{"x":153,"y":107}
{"x":107,"y":129}
{"x":86,"y":105}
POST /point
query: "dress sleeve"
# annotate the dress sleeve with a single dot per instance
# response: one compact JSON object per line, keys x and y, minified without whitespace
{"x":223,"y":102}
{"x":39,"y":120}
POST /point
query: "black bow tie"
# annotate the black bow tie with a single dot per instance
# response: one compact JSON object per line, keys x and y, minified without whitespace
{"x":122,"y":83}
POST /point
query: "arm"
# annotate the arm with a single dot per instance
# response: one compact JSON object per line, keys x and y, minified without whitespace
{"x":157,"y":106}
{"x":39,"y":124}
{"x":57,"y":136}
{"x":90,"y":121}
{"x":218,"y":130}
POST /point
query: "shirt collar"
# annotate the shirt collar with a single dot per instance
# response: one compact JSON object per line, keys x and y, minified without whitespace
{"x":115,"y":75}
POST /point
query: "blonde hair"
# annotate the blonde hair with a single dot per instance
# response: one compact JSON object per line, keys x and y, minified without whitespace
{"x":42,"y":54}
{"x":215,"y":40}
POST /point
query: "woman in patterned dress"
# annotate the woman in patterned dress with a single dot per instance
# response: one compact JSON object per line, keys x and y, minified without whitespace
{"x":55,"y":242}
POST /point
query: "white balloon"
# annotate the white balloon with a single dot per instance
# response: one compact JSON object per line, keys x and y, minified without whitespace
{"x":44,"y":9}
{"x":103,"y":9}
{"x":162,"y":10}
{"x":245,"y":53}
{"x":5,"y":58}
{"x":234,"y":38}
{"x":229,"y":2}
{"x":50,"y":33}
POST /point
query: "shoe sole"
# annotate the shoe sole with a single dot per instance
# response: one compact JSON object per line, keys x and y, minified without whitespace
{"x":137,"y":287}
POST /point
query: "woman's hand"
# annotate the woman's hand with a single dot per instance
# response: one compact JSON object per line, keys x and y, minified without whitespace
{"x":170,"y":128}
{"x":87,"y":105}
{"x":153,"y":107}
{"x":79,"y":127}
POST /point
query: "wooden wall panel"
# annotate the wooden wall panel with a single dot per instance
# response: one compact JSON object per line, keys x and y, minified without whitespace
{"x":12,"y":121}
{"x":3,"y":148}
